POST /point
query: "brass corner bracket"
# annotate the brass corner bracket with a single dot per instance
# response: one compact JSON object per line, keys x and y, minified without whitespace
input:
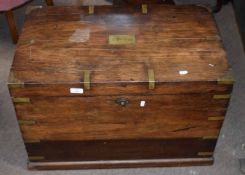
{"x":36,"y":158}
{"x":13,"y":82}
{"x":21,"y":100}
{"x":222,"y":96}
{"x":26,"y":122}
{"x":227,"y":79}
{"x":205,"y":154}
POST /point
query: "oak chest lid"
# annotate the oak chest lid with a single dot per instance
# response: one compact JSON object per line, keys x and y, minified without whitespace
{"x":114,"y":44}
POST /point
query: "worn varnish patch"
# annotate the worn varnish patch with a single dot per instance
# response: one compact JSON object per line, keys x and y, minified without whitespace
{"x":80,"y":36}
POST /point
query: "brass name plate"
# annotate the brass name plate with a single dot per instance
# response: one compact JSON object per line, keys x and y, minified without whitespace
{"x":121,"y":39}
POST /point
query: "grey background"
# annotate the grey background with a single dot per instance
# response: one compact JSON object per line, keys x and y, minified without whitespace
{"x":239,"y":7}
{"x":231,"y":144}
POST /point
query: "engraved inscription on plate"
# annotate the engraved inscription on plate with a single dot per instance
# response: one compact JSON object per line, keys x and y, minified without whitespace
{"x":121,"y":39}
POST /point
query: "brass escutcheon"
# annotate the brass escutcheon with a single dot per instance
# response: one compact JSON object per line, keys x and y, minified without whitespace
{"x":122,"y":102}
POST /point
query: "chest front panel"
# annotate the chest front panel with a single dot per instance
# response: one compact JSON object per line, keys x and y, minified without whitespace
{"x":121,"y":117}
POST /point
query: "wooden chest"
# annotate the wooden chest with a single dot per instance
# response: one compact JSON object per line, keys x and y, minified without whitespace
{"x":113,"y":86}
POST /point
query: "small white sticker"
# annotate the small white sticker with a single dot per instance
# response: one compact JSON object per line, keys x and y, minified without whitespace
{"x":76,"y":90}
{"x":183,"y":72}
{"x":142,"y":104}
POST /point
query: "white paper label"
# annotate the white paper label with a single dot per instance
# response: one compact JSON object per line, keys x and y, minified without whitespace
{"x":76,"y":90}
{"x":142,"y":104}
{"x":183,"y":72}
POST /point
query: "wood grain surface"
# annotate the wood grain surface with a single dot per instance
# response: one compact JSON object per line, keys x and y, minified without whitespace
{"x":61,"y":90}
{"x":58,"y":43}
{"x":87,"y":118}
{"x":58,"y":151}
{"x":66,"y":47}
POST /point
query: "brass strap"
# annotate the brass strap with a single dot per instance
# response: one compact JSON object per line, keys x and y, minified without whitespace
{"x":13,"y":82}
{"x":21,"y":100}
{"x":227,"y":79}
{"x":144,"y":9}
{"x":151,"y":76}
{"x":91,"y":9}
{"x":86,"y":79}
